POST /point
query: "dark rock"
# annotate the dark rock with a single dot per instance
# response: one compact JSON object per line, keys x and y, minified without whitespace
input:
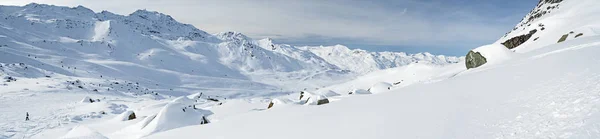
{"x":131,"y":116}
{"x":301,"y":95}
{"x":579,"y":35}
{"x":563,"y":38}
{"x":213,"y":99}
{"x":322,"y":101}
{"x":474,"y":60}
{"x":516,"y":41}
{"x":270,"y":105}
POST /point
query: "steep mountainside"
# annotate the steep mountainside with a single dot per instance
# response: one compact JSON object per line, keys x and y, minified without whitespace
{"x":551,"y":22}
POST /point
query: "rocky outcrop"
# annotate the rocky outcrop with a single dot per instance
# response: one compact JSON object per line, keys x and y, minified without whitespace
{"x":516,"y":41}
{"x":474,"y":60}
{"x":578,"y":35}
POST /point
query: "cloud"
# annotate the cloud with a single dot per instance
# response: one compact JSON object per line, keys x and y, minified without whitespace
{"x":384,"y":22}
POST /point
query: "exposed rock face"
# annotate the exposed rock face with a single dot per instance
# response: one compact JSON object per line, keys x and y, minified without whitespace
{"x":474,"y":60}
{"x":131,"y":116}
{"x":551,"y":1}
{"x":578,"y":35}
{"x":516,"y":41}
{"x":563,"y":38}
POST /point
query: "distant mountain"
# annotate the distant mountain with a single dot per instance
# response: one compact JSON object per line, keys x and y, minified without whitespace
{"x":153,"y":48}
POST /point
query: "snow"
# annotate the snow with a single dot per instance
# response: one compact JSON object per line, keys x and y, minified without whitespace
{"x":359,"y":92}
{"x":124,"y":116}
{"x":86,"y":99}
{"x":494,"y":53}
{"x":526,"y":97}
{"x":182,"y":82}
{"x":177,"y":113}
{"x":101,"y":30}
{"x":83,"y":132}
{"x":380,"y":87}
{"x":565,"y":17}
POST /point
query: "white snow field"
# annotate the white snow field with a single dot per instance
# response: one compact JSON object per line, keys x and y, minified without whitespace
{"x":80,"y":74}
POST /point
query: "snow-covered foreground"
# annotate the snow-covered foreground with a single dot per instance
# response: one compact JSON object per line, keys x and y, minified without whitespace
{"x":542,"y":94}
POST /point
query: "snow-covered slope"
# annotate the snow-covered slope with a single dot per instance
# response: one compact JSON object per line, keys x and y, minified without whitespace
{"x":541,"y":94}
{"x":551,"y":19}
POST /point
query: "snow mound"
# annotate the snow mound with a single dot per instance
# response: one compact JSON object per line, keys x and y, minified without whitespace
{"x":83,"y":132}
{"x":177,"y":113}
{"x":124,"y":116}
{"x":327,"y":93}
{"x":87,"y":99}
{"x":195,"y":96}
{"x":358,"y":92}
{"x":277,"y":102}
{"x":380,"y":87}
{"x":316,"y":100}
{"x":494,"y":53}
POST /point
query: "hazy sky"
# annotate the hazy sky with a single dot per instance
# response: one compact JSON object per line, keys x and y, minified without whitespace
{"x":450,"y":27}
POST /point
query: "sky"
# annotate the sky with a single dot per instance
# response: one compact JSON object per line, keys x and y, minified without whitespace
{"x":448,"y":27}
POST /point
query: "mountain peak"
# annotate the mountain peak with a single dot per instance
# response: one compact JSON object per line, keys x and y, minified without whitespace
{"x":150,"y":15}
{"x":232,"y":35}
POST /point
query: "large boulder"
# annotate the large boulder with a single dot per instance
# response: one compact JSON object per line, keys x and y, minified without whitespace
{"x":474,"y":60}
{"x":488,"y":54}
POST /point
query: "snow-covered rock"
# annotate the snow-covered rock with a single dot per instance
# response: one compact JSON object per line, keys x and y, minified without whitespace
{"x":277,"y":102}
{"x":380,"y":87}
{"x":125,"y":116}
{"x":87,"y":99}
{"x":358,"y":92}
{"x":488,"y":54}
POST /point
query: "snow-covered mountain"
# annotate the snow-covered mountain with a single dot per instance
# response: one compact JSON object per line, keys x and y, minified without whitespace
{"x":356,"y":60}
{"x":153,"y":48}
{"x":551,"y":22}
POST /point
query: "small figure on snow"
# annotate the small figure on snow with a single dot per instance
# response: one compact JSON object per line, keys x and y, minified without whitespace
{"x":26,"y":116}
